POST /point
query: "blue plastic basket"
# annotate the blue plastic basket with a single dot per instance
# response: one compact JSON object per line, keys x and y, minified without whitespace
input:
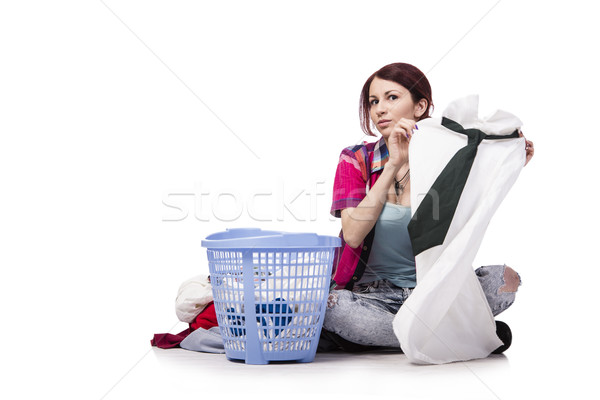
{"x":270,"y":292}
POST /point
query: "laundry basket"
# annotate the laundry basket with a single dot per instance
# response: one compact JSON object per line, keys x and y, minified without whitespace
{"x":270,"y":292}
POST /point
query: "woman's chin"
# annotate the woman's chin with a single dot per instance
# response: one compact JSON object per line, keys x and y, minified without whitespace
{"x":385,"y":132}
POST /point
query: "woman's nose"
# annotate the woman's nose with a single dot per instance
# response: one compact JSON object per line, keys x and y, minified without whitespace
{"x":381,"y":109}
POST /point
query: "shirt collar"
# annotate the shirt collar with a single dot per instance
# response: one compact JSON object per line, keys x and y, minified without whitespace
{"x":465,"y":112}
{"x":380,"y":155}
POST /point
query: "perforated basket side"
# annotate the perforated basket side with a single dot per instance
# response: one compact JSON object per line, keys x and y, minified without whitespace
{"x":270,"y":303}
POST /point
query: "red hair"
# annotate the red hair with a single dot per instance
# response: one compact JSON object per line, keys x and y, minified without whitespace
{"x":404,"y":74}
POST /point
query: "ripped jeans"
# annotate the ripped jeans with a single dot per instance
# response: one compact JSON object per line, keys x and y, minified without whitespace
{"x":364,"y":314}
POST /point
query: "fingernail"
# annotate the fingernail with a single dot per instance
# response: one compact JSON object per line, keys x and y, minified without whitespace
{"x":416,"y":127}
{"x":406,"y":134}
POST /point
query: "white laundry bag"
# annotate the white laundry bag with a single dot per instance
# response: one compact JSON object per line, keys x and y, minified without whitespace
{"x":447,"y":317}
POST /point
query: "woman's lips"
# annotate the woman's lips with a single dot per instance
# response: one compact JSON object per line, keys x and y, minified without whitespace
{"x":384,"y":122}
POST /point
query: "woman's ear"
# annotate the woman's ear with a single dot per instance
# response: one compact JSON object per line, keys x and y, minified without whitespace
{"x":421,"y":108}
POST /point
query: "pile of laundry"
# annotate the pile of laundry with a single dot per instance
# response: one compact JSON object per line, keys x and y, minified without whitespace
{"x":287,"y":319}
{"x":194,"y":306}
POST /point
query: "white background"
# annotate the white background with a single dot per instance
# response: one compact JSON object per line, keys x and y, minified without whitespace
{"x":124,"y":124}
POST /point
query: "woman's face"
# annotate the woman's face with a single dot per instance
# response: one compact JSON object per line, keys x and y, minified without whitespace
{"x":390,"y":102}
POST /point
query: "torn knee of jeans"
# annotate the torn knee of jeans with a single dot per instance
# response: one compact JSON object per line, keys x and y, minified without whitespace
{"x":512,"y":281}
{"x":332,"y":300}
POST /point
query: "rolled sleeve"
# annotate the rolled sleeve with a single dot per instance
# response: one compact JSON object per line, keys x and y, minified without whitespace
{"x":350,"y":184}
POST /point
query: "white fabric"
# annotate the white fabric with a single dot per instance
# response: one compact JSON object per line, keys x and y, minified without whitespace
{"x":447,"y":317}
{"x":192,"y":298}
{"x":296,"y":279}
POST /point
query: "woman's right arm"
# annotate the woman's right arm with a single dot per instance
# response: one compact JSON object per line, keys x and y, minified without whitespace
{"x":358,"y":221}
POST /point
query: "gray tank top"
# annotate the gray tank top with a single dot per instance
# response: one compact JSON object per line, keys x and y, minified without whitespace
{"x":391,"y":255}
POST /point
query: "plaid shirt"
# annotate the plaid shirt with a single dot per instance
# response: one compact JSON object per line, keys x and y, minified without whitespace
{"x":358,"y":169}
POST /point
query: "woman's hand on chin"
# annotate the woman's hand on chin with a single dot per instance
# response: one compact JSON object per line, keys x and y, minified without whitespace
{"x":405,"y":128}
{"x":398,"y":142}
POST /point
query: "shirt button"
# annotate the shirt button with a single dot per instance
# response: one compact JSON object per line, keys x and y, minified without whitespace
{"x":355,"y":278}
{"x":364,"y":247}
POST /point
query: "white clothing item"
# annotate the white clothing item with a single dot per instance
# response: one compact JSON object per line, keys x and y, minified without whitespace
{"x":296,"y":279}
{"x":447,"y":317}
{"x":192,"y":298}
{"x":295,"y":283}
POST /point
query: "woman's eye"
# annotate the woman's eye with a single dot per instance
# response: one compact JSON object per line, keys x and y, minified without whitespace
{"x":393,"y":97}
{"x":373,"y":102}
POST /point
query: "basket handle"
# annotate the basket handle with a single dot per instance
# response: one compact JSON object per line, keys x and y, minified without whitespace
{"x":254,"y":354}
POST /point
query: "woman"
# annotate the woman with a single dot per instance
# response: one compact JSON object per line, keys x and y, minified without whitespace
{"x":375,"y":267}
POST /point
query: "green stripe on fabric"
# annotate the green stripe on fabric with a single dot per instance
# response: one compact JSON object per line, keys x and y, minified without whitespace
{"x":431,"y":221}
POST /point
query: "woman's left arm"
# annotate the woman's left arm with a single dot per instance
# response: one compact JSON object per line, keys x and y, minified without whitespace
{"x":528,"y":148}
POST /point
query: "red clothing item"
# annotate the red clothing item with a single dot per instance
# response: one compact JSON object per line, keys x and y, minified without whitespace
{"x":358,"y":168}
{"x":206,"y":320}
{"x":168,"y":340}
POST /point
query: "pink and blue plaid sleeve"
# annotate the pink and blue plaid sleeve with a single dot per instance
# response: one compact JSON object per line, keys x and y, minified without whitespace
{"x":349,"y":186}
